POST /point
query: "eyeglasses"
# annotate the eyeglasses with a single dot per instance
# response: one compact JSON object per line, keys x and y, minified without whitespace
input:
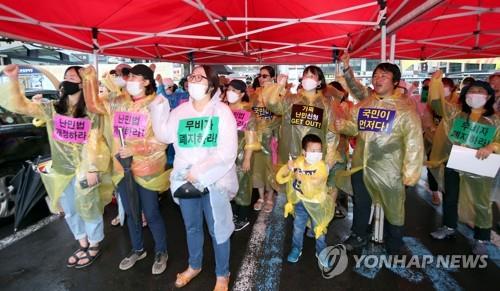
{"x":263,"y":76}
{"x":196,"y":78}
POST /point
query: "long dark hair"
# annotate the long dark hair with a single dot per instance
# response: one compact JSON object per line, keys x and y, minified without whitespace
{"x":62,"y":105}
{"x":315,"y":70}
{"x":212,"y":78}
{"x":488,"y":106}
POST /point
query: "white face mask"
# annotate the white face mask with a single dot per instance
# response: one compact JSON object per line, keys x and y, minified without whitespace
{"x":309,"y":84}
{"x":475,"y":100}
{"x":232,"y":97}
{"x":120,"y":82}
{"x":134,"y":89}
{"x":313,"y":157}
{"x":447,"y":91}
{"x":197,"y":90}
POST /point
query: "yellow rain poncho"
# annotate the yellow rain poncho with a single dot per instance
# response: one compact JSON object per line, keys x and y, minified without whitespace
{"x":119,"y":110}
{"x":301,"y":116}
{"x":247,"y":141}
{"x":267,"y":126}
{"x":389,"y":149}
{"x":71,"y":156}
{"x":475,"y":191}
{"x":308,"y":185}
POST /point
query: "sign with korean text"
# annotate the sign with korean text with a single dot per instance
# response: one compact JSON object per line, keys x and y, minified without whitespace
{"x":376,"y":119}
{"x":306,"y":115}
{"x":133,"y":124}
{"x":263,"y":113}
{"x":471,"y":134}
{"x":198,"y":132}
{"x":242,"y":117}
{"x":69,"y":129}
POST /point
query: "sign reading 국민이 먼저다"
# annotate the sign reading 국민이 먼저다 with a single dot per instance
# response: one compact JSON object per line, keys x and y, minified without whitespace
{"x":306,"y":115}
{"x":263,"y":113}
{"x":376,"y":119}
{"x":471,"y":134}
{"x":69,"y":129}
{"x":242,"y":117}
{"x":133,"y":124}
{"x":198,"y":132}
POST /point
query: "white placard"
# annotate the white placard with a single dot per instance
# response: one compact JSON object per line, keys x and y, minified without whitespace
{"x":464,"y":159}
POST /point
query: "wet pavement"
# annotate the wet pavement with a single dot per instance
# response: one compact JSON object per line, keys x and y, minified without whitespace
{"x":258,"y":257}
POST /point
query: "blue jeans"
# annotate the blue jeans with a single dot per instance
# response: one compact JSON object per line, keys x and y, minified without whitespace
{"x":192,"y":213}
{"x":149,"y":205}
{"x":92,"y":230}
{"x":299,"y":226}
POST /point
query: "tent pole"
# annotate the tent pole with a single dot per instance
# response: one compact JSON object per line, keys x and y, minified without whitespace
{"x":393,"y":48}
{"x":383,"y":26}
{"x":191,"y":62}
{"x":95,"y":50}
{"x":383,"y":52}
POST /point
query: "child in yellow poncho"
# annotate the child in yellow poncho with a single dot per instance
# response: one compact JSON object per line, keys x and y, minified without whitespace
{"x":307,"y":196}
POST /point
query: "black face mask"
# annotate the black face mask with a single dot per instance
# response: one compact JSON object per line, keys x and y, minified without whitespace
{"x":70,"y":87}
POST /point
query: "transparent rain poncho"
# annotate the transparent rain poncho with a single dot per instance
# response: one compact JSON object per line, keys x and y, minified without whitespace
{"x":247,"y":141}
{"x":119,"y":110}
{"x":301,"y":116}
{"x":267,"y":127}
{"x":307,"y":184}
{"x":389,"y":147}
{"x":475,"y":191}
{"x":77,"y":147}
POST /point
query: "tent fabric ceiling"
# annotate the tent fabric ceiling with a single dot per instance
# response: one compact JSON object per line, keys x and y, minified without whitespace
{"x":242,"y":31}
{"x":455,"y":29}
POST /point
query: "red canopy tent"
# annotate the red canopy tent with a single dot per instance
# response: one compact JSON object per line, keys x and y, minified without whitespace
{"x":257,"y":31}
{"x":206,"y":31}
{"x":455,"y":29}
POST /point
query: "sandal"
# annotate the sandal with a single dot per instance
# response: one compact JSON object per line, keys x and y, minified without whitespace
{"x":88,"y":256}
{"x":74,"y":255}
{"x":258,"y":205}
{"x":268,"y":206}
{"x":222,"y":284}
{"x":184,"y":278}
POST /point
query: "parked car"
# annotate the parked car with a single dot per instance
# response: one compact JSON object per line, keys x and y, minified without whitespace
{"x":20,"y":140}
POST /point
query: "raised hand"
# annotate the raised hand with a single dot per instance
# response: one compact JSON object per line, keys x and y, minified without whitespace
{"x":11,"y":71}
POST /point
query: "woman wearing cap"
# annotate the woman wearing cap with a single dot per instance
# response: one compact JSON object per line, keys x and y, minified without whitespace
{"x":473,"y":124}
{"x":203,"y":179}
{"x":129,"y":115}
{"x":247,"y":143}
{"x":77,"y":179}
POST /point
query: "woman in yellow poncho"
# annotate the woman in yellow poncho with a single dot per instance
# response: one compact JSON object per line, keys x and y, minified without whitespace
{"x":267,"y":125}
{"x":307,"y":196}
{"x":247,"y":143}
{"x":472,"y":124}
{"x":128,"y":110}
{"x":77,"y":179}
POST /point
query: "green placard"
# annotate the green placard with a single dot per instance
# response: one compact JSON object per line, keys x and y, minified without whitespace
{"x":471,"y":134}
{"x":198,"y":132}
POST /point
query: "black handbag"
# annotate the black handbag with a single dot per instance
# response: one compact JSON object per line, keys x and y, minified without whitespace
{"x":188,"y":191}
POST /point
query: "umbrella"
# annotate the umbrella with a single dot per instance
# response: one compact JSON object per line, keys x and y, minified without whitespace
{"x":29,"y":190}
{"x":128,"y":179}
